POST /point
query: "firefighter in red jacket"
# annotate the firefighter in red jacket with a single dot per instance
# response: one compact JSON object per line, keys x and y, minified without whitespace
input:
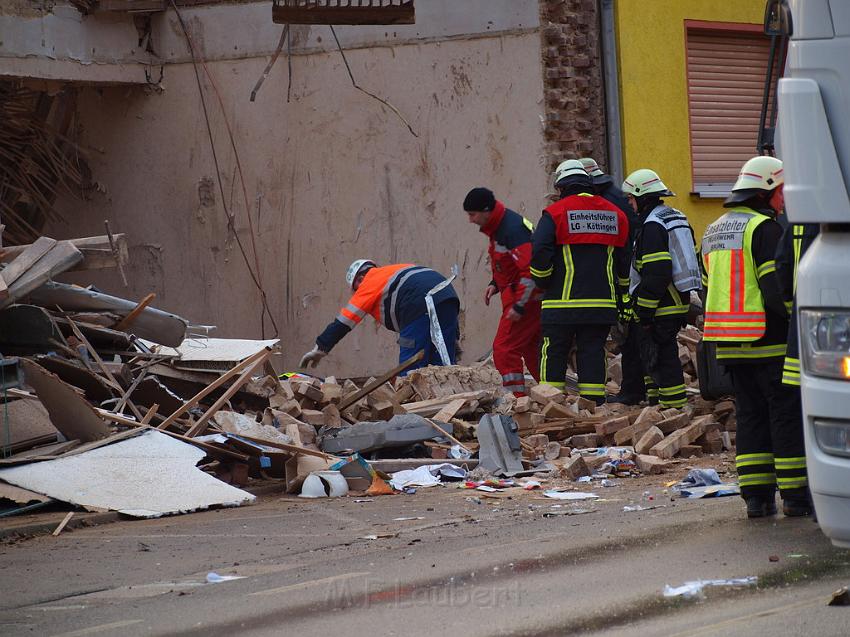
{"x":579,"y":258}
{"x":518,"y":335}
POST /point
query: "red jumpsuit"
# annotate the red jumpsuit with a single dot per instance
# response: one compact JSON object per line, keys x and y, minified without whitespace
{"x":510,"y":255}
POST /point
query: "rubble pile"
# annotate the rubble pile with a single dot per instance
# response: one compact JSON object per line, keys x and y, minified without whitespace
{"x":98,"y":381}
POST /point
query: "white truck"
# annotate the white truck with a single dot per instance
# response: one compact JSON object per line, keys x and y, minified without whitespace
{"x":814,"y":143}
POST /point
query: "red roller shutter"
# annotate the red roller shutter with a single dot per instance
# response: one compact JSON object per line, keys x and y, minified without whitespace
{"x":726,"y":72}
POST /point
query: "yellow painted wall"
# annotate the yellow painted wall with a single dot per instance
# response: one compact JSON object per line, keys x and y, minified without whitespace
{"x":653,"y":90}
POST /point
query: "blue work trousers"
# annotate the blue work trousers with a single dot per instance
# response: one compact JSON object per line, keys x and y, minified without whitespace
{"x":416,"y":336}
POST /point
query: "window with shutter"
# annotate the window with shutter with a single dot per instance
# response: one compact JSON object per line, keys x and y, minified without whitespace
{"x":726,"y":68}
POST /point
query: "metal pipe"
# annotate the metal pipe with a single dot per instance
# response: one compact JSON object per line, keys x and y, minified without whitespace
{"x":611,"y":81}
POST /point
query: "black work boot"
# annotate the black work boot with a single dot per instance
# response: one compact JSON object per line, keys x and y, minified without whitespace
{"x":760,"y":506}
{"x":797,"y":507}
{"x":625,"y":399}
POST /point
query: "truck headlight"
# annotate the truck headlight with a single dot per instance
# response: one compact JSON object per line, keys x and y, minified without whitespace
{"x":833,"y":436}
{"x":825,"y":340}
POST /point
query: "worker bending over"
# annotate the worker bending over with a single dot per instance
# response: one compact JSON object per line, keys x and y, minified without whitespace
{"x":395,"y":296}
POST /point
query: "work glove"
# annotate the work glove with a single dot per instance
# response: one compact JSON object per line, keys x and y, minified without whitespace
{"x":625,"y":311}
{"x":313,"y":356}
{"x":648,"y":348}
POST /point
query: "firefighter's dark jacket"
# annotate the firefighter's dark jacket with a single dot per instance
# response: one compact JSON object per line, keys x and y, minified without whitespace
{"x":579,"y":259}
{"x":655,"y":295}
{"x":788,"y":255}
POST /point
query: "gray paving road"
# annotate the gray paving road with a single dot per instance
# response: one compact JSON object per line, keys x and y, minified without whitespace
{"x":496,"y":568}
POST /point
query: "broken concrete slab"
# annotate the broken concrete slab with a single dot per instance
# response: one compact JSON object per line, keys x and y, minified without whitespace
{"x":398,"y":431}
{"x":147,"y":476}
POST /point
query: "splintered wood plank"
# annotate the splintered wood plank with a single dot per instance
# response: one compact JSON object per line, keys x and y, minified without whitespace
{"x":26,"y":259}
{"x":449,"y":411}
{"x":194,"y":400}
{"x":60,"y":258}
{"x":370,"y":387}
{"x":201,"y":426}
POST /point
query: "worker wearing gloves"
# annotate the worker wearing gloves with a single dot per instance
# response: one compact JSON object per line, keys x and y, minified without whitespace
{"x":395,"y":296}
{"x":579,"y":259}
{"x":747,"y":317}
{"x":518,"y":335}
{"x":665,"y":269}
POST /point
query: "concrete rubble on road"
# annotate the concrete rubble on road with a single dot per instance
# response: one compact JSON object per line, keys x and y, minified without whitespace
{"x":94,"y":371}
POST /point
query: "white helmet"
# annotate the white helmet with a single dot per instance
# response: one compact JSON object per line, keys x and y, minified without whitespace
{"x":591,"y":167}
{"x":643,"y":182}
{"x":354,"y":270}
{"x":570,"y":168}
{"x":760,"y":173}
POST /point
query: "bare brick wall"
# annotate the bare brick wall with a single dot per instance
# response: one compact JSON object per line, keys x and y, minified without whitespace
{"x":572,"y":81}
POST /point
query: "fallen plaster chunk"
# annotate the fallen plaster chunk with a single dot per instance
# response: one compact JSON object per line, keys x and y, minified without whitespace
{"x":147,"y":476}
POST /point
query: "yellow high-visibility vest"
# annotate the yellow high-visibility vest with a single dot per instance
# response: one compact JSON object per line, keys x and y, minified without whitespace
{"x":734,"y":308}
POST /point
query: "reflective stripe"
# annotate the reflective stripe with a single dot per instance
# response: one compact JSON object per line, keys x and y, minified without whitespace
{"x":669,"y":391}
{"x":672,"y":309}
{"x":787,"y":464}
{"x":355,"y":310}
{"x":791,"y":371}
{"x":649,"y":303}
{"x":569,"y":271}
{"x":756,"y":479}
{"x":591,"y":389}
{"x":750,"y":459}
{"x":798,"y":252}
{"x":512,"y":377}
{"x":542,"y":274}
{"x":527,"y":223}
{"x":387,"y":287}
{"x":794,"y":482}
{"x":346,"y":321}
{"x":553,"y":383}
{"x":656,"y":256}
{"x":578,"y":303}
{"x":529,"y":288}
{"x":544,"y":358}
{"x":676,"y":402}
{"x":405,"y":275}
{"x":743,"y":351}
{"x":766,"y":268}
{"x":623,"y":282}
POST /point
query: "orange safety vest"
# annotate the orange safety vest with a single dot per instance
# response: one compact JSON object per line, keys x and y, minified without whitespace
{"x":734,"y":308}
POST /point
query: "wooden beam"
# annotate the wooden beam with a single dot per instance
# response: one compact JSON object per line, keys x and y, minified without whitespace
{"x":194,"y":400}
{"x":202,"y":424}
{"x":27,"y":258}
{"x":370,"y":387}
{"x":122,"y":325}
{"x":59,"y":259}
{"x":96,"y":251}
{"x":295,"y":449}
